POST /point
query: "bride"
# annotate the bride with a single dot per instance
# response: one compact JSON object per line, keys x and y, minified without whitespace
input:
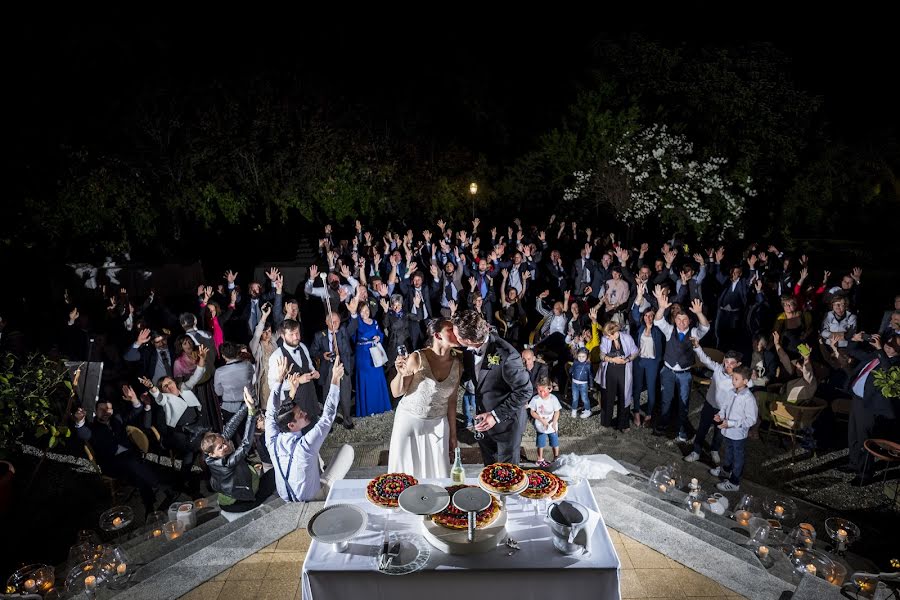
{"x":424,"y":432}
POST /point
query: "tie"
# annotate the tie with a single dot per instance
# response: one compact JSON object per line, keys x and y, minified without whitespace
{"x":586,"y":273}
{"x":862,"y":374}
{"x":254,"y":314}
{"x":483,"y":286}
{"x":422,"y":306}
{"x":448,"y":291}
{"x":681,"y":336}
{"x":331,"y":342}
{"x":164,"y":356}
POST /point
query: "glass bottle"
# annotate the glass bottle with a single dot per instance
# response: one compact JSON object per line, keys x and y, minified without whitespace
{"x":457,"y":473}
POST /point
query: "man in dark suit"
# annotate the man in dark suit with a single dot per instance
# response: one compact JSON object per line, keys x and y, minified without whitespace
{"x":536,"y":370}
{"x":409,"y":289}
{"x":502,"y":387}
{"x":335,"y":339}
{"x":871,"y":414}
{"x":155,"y":361}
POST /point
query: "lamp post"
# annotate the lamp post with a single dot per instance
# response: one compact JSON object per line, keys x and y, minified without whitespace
{"x":473,"y":189}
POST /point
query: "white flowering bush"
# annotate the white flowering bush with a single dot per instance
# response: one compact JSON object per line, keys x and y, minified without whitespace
{"x":659,"y":176}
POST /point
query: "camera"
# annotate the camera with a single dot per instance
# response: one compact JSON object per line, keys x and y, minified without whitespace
{"x":866,"y":337}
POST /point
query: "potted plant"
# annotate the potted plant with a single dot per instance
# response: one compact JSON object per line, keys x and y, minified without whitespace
{"x":34,"y":392}
{"x":888,"y":382}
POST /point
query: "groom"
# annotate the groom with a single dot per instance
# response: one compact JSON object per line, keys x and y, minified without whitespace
{"x":502,"y":387}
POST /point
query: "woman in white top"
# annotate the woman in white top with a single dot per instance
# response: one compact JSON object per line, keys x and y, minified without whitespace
{"x":424,"y":434}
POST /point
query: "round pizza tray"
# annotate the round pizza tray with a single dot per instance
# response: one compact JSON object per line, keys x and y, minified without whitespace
{"x":337,"y":523}
{"x":454,"y":541}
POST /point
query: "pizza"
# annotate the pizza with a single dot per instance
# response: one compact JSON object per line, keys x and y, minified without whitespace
{"x":385,"y":489}
{"x":561,"y":490}
{"x":502,"y":477}
{"x":453,"y":518}
{"x":541,"y":484}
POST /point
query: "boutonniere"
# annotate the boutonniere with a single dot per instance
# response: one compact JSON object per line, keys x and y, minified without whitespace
{"x":493,"y":359}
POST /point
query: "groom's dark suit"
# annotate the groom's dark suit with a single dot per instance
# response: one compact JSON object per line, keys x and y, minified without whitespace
{"x":505,"y":389}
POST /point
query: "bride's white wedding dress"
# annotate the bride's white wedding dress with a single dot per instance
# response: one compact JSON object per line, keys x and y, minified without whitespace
{"x":420,"y":440}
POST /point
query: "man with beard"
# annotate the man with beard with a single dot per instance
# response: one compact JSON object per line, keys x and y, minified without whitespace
{"x":333,"y":342}
{"x":113,"y":449}
{"x":482,"y":284}
{"x":334,"y":290}
{"x":300,"y":361}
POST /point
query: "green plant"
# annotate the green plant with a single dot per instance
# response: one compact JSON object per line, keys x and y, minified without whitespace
{"x":33,"y":393}
{"x":888,"y":382}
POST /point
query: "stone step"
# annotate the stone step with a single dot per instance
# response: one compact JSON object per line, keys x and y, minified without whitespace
{"x":675,"y":507}
{"x":686,"y":545}
{"x":604,"y":491}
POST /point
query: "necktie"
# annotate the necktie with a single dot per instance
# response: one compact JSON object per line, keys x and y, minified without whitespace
{"x":254,"y":314}
{"x":331,"y":342}
{"x":586,"y":274}
{"x":862,"y":374}
{"x":448,"y":291}
{"x":422,"y":306}
{"x":164,"y":356}
{"x":483,"y":286}
{"x":681,"y":336}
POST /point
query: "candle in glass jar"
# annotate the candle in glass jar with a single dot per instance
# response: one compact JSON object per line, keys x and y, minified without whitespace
{"x":742,"y":517}
{"x":117,"y":522}
{"x":90,"y":582}
{"x":30,"y":585}
{"x":663,"y":488}
{"x":811,"y":569}
{"x":779,"y":511}
{"x":762,"y":551}
{"x":808,"y":542}
{"x":696,"y":506}
{"x":200,"y":503}
{"x":672,"y":482}
{"x":694,"y":481}
{"x":842,"y":535}
{"x":157,"y":532}
{"x":120,"y":570}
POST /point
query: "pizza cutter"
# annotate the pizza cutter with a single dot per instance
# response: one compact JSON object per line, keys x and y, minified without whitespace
{"x":471,"y":500}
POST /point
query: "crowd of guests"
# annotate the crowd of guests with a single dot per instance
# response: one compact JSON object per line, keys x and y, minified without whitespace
{"x":248,"y":383}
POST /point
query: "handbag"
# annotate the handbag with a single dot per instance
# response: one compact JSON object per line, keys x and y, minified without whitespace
{"x":379,"y":356}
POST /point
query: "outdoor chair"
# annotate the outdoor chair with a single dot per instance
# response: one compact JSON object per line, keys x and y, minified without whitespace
{"x":791,"y":420}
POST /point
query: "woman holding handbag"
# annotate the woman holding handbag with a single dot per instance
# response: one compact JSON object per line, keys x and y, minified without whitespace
{"x":371,"y":387}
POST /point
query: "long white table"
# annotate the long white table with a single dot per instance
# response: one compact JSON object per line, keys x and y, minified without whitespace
{"x":536,"y":571}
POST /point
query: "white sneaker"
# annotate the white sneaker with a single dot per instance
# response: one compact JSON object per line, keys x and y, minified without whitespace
{"x":716,"y":472}
{"x":681,"y":439}
{"x":574,"y":413}
{"x":727,"y":486}
{"x":585,"y":414}
{"x":715,"y":457}
{"x":692,"y":457}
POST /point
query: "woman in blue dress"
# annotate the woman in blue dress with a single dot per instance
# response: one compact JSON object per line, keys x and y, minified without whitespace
{"x":371,"y":387}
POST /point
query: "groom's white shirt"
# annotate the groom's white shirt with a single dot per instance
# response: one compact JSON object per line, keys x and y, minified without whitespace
{"x":479,"y":356}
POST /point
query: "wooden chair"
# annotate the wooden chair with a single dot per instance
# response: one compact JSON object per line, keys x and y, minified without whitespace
{"x":790,"y":419}
{"x":889,"y":452}
{"x":138,"y":438}
{"x":158,"y":439}
{"x":502,"y":327}
{"x":536,"y":332}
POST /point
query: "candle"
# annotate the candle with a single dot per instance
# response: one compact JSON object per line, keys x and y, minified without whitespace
{"x":117,"y":522}
{"x":779,"y":511}
{"x":811,"y":569}
{"x":696,"y":506}
{"x":808,"y":542}
{"x":762,"y":551}
{"x":30,"y":585}
{"x":672,"y":482}
{"x":743,"y":517}
{"x":157,"y":532}
{"x":90,"y":582}
{"x":842,"y":535}
{"x":663,"y":488}
{"x":173,"y":535}
{"x":694,"y":481}
{"x":798,"y":553}
{"x":120,"y":570}
{"x":200,"y":503}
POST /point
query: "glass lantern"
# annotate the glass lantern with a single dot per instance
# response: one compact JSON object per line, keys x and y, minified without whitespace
{"x":661,"y":481}
{"x":802,"y":536}
{"x":812,"y":562}
{"x":86,"y":578}
{"x":842,"y":533}
{"x":780,"y":508}
{"x":31,"y":579}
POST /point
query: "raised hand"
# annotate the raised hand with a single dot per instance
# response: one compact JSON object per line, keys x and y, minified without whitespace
{"x":856,"y":273}
{"x":542,"y":235}
{"x":699,"y":258}
{"x":358,"y":225}
{"x":384,"y":304}
{"x":128,"y":394}
{"x":145,"y":381}
{"x":313,"y":272}
{"x":804,"y":259}
{"x":337,"y":371}
{"x":526,"y":275}
{"x":74,"y":314}
{"x":593,"y":312}
{"x":345,"y":271}
{"x":720,"y":254}
{"x":645,"y":247}
{"x":200,"y":289}
{"x":230,"y":276}
{"x":233,"y":298}
{"x":281,"y":367}
{"x":776,"y":339}
{"x":804,"y":272}
{"x":773,"y":249}
{"x":202,"y":352}
{"x":266,"y":309}
{"x":751,"y":260}
{"x":825,"y":277}
{"x":544,"y":294}
{"x":143,"y":337}
{"x":588,"y":232}
{"x":112,"y":303}
{"x":669,"y":257}
{"x":504,"y":273}
{"x":475,"y":223}
{"x":641,"y":290}
{"x":417,"y":300}
{"x":472,"y":282}
{"x":453,"y":306}
{"x":343,"y":294}
{"x":279,"y":283}
{"x":697,"y":306}
{"x":272,"y":274}
{"x":412,"y":266}
{"x":248,"y":399}
{"x":79,"y":415}
{"x":441,"y":224}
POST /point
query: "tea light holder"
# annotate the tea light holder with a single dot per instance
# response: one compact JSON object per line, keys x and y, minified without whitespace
{"x":87,"y":578}
{"x":812,"y":562}
{"x":864,"y":585}
{"x":173,"y":530}
{"x":780,"y":508}
{"x":30,"y":579}
{"x":661,"y":480}
{"x":842,"y":532}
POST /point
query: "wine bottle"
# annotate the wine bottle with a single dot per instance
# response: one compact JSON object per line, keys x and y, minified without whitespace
{"x":457,"y":473}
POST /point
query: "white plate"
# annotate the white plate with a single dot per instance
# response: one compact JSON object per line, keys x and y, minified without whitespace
{"x":414,"y":554}
{"x":512,"y":492}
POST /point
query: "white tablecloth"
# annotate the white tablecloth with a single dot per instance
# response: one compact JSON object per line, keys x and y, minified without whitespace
{"x":537,"y":571}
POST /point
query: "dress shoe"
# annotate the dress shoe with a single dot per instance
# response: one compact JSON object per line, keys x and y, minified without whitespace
{"x":349,"y":425}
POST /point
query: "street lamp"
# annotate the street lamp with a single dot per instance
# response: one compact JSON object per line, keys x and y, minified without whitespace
{"x":473,"y":189}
